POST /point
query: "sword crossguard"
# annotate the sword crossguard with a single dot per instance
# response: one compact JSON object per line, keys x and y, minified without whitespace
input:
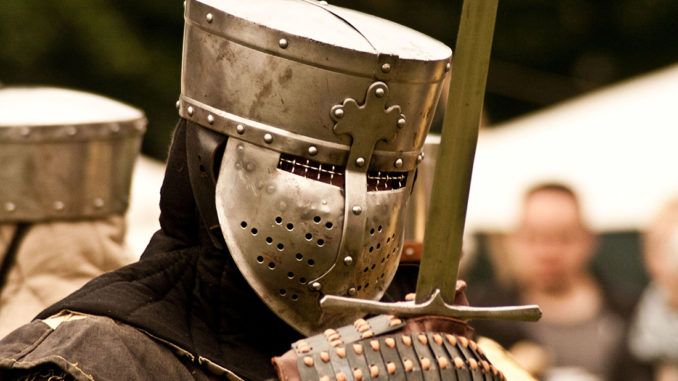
{"x":434,"y":305}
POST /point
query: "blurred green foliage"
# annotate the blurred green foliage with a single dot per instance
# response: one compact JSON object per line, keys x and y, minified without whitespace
{"x":544,"y":50}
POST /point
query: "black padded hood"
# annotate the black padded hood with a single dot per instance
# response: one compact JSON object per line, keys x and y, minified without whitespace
{"x":187,"y":291}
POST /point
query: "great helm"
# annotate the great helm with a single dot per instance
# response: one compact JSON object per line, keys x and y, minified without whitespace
{"x":326,"y":110}
{"x":65,"y":154}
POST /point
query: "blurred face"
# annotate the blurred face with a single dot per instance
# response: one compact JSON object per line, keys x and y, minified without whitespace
{"x":550,"y":247}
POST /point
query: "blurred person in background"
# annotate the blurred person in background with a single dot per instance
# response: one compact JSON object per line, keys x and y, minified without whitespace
{"x":548,"y":257}
{"x":654,"y":331}
{"x":67,"y":159}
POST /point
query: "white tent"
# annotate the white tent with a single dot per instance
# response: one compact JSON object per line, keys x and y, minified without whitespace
{"x":617,"y":147}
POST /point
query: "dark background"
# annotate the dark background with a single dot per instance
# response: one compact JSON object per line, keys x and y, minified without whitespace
{"x":544,"y":50}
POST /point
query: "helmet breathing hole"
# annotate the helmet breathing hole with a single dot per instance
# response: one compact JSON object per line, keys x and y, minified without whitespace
{"x":316,"y":219}
{"x":243,"y":224}
{"x":371,"y":249}
{"x":365,"y":269}
{"x":360,"y":288}
{"x":269,"y":240}
{"x":299,"y":257}
{"x":329,"y":225}
{"x":271,"y":265}
{"x":290,"y":275}
{"x":278,"y":220}
{"x":283,"y":292}
{"x":290,"y":226}
{"x":321,"y":242}
{"x":311,"y":262}
{"x":373,"y":266}
{"x":254,"y":231}
{"x":309,"y":236}
{"x":388,"y":239}
{"x":372,"y":231}
{"x":367,"y":285}
{"x":295,"y":296}
{"x":302,"y":280}
{"x":380,"y":228}
{"x":260,"y":259}
{"x":378,"y":246}
{"x":281,"y":247}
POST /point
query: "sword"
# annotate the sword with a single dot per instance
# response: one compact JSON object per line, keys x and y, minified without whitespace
{"x":436,"y":283}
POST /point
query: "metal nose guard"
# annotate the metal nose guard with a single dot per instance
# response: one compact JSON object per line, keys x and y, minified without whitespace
{"x":367,"y":124}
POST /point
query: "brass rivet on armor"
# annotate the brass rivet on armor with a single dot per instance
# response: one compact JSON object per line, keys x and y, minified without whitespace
{"x":451,"y":338}
{"x":394,"y":322}
{"x":58,"y":205}
{"x":210,"y":119}
{"x":408,"y":365}
{"x":339,"y":113}
{"x":473,"y":345}
{"x":341,"y":352}
{"x":98,"y":203}
{"x":312,"y":150}
{"x":458,"y":362}
{"x":333,"y":337}
{"x":304,"y":349}
{"x":71,"y":130}
{"x":425,"y":363}
{"x":485,"y":365}
{"x":360,"y":162}
{"x":374,"y":344}
{"x":178,"y":105}
{"x":438,"y":339}
{"x":401,"y":122}
{"x":357,"y":210}
{"x":358,"y":349}
{"x":367,"y":334}
{"x":422,"y":338}
{"x":352,"y":291}
{"x":420,"y":158}
{"x":359,"y":322}
{"x":447,"y":66}
{"x":494,"y":370}
{"x":374,"y":371}
{"x":325,"y":356}
{"x":379,"y":92}
{"x":336,"y":343}
{"x":363,"y":328}
{"x":316,"y":286}
{"x":473,"y":364}
{"x":209,"y":17}
{"x":385,"y":68}
{"x":268,"y":138}
{"x":283,"y":43}
{"x":329,"y":332}
{"x":324,"y":378}
{"x":357,"y":374}
{"x":442,"y":362}
{"x":463,"y":341}
{"x":240,"y":129}
{"x":190,"y":110}
{"x":308,"y":360}
{"x":348,"y":260}
{"x":406,"y":340}
{"x":341,"y":376}
{"x":390,"y":367}
{"x":10,"y":206}
{"x":398,"y":163}
{"x":390,"y":342}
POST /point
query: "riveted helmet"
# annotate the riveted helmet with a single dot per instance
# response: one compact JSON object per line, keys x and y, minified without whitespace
{"x":65,"y":154}
{"x":326,"y":110}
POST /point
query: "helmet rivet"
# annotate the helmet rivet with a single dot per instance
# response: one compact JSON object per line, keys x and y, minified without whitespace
{"x":58,"y":205}
{"x":268,"y":138}
{"x":379,"y":92}
{"x":316,"y":286}
{"x":357,"y":210}
{"x":352,"y":291}
{"x":401,"y":122}
{"x":240,"y":129}
{"x":398,"y":163}
{"x":339,"y":113}
{"x":385,"y":68}
{"x":348,"y":260}
{"x":209,"y":17}
{"x":98,"y":203}
{"x":312,"y":150}
{"x":283,"y":43}
{"x":447,"y":66}
{"x":210,"y":119}
{"x":190,"y":110}
{"x":25,"y":131}
{"x":360,"y":162}
{"x":71,"y":130}
{"x":115,"y":128}
{"x":177,"y":105}
{"x":10,"y":207}
{"x":420,"y":157}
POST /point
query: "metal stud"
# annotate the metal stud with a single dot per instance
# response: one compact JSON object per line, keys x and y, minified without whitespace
{"x":268,"y":138}
{"x":177,"y":105}
{"x":339,"y":113}
{"x":380,"y":92}
{"x":115,"y":128}
{"x":190,"y":110}
{"x":210,"y":119}
{"x":348,"y":260}
{"x":71,"y":131}
{"x":58,"y":205}
{"x":240,"y":129}
{"x":316,"y":286}
{"x":10,"y":206}
{"x":447,"y":66}
{"x":398,"y":163}
{"x":385,"y":68}
{"x":283,"y":43}
{"x":360,"y":162}
{"x":420,"y":157}
{"x":25,"y":131}
{"x":352,"y":291}
{"x":322,"y":2}
{"x":357,"y":210}
{"x":312,"y":150}
{"x":98,"y":203}
{"x":209,"y":17}
{"x":401,"y":122}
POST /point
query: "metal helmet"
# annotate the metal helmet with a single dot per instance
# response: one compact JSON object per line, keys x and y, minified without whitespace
{"x":326,"y":110}
{"x":65,"y":154}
